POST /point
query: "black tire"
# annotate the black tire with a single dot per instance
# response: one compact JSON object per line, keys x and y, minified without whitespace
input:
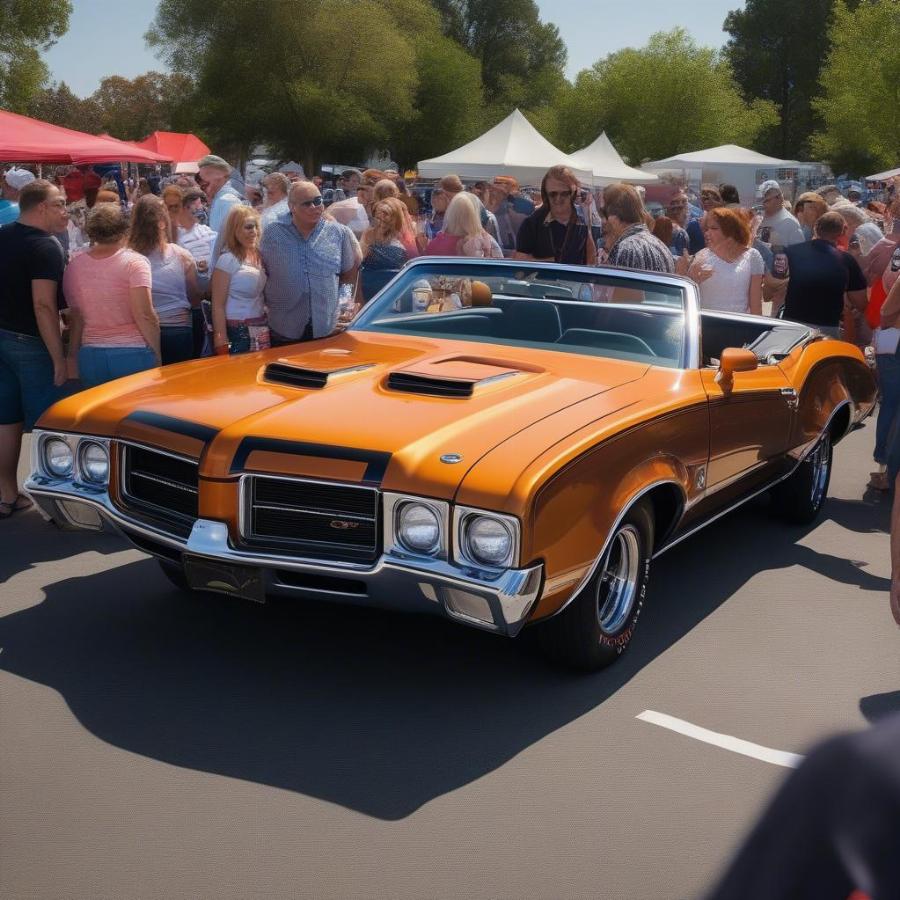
{"x":597,"y":626}
{"x":175,"y":574}
{"x":799,"y":498}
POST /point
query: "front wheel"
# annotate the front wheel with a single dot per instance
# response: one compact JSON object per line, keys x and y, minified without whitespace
{"x":597,"y":626}
{"x":801,"y":496}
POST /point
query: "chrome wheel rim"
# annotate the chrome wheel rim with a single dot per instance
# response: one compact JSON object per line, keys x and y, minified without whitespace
{"x":819,"y":460}
{"x":617,"y":586}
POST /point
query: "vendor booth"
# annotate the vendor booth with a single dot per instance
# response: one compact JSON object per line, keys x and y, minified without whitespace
{"x":607,"y":166}
{"x":513,"y":147}
{"x":28,"y":140}
{"x":728,"y":164}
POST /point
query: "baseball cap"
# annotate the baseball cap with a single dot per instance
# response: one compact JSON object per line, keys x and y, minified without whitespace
{"x":18,"y":178}
{"x":767,"y":186}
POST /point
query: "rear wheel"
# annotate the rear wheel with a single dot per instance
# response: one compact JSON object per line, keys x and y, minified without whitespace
{"x":597,"y":626}
{"x":800,"y":497}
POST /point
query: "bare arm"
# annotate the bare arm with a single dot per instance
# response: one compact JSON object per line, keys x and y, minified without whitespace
{"x":858,"y":299}
{"x":76,"y":330}
{"x":221,"y":282}
{"x":755,"y":295}
{"x":140,"y":301}
{"x":190,"y":277}
{"x":43,"y":296}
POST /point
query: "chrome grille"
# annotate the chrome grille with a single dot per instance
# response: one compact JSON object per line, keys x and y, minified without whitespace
{"x":314,"y":519}
{"x":160,"y":488}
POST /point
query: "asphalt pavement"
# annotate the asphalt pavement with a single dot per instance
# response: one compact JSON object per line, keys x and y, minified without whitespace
{"x":155,"y":744}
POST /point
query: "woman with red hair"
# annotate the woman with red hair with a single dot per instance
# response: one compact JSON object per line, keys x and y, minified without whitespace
{"x":728,"y":270}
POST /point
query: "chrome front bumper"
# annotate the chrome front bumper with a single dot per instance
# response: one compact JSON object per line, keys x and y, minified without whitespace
{"x":494,"y":601}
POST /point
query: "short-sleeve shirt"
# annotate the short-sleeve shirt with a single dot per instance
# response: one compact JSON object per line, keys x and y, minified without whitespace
{"x":637,"y":248}
{"x":170,"y":297}
{"x":728,"y":288}
{"x":820,"y":275}
{"x":784,"y":229}
{"x":245,"y":290}
{"x":303,"y":274}
{"x":99,"y":290}
{"x":26,"y":254}
{"x":541,"y":236}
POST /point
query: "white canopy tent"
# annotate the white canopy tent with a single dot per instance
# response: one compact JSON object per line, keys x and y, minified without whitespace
{"x":608,"y":167}
{"x":728,"y":164}
{"x":513,"y":147}
{"x":884,"y":176}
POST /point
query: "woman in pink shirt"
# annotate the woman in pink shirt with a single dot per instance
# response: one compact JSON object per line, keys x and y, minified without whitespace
{"x":118,"y":331}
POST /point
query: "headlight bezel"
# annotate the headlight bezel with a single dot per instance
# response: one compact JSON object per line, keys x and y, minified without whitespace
{"x":464,"y":517}
{"x":84,"y":445}
{"x":77,"y":445}
{"x":394,"y":505}
{"x":43,"y":456}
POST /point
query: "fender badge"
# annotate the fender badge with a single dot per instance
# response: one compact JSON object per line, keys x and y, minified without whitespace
{"x":451,"y":458}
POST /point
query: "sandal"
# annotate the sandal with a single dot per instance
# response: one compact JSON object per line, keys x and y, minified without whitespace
{"x":878,"y":481}
{"x":21,"y":502}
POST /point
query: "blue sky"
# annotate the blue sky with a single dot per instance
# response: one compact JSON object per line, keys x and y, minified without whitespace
{"x":106,"y":37}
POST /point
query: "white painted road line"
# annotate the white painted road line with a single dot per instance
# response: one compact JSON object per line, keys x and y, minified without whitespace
{"x":726,"y":741}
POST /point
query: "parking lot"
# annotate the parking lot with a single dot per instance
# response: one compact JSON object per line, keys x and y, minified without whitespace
{"x":155,"y":744}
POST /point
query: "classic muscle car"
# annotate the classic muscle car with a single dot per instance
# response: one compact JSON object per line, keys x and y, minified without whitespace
{"x":504,"y":443}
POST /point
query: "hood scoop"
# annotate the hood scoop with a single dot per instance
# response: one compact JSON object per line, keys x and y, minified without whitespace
{"x":457,"y":378}
{"x":304,"y":377}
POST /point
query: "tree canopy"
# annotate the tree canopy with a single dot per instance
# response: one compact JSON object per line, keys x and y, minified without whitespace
{"x":26,"y":29}
{"x":776,"y":52}
{"x":860,"y":102}
{"x":665,"y":98}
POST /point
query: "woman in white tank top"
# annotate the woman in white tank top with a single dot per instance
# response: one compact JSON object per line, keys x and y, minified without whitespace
{"x":729,"y":271}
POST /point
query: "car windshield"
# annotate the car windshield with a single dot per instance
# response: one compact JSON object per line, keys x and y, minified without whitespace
{"x":588,"y":312}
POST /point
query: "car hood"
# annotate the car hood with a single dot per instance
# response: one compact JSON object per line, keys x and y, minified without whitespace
{"x":358,"y":406}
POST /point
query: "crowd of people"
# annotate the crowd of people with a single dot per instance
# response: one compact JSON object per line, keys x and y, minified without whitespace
{"x":158,"y":270}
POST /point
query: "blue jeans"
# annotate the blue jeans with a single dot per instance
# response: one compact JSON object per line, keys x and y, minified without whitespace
{"x":176,"y":343}
{"x":97,"y":365}
{"x":26,"y":379}
{"x":888,"y":366}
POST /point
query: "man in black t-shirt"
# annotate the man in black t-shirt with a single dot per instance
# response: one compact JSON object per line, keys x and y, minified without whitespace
{"x":821,"y":276}
{"x":32,"y":364}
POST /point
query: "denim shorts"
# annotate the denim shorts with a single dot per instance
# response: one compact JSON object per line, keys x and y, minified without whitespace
{"x":97,"y":365}
{"x":26,"y":379}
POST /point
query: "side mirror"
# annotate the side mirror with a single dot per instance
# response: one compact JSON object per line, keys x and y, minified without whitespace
{"x":734,"y":359}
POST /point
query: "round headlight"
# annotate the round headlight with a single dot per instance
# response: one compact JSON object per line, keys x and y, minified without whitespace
{"x":419,"y":528}
{"x":58,"y":457}
{"x":488,"y":541}
{"x":94,"y":462}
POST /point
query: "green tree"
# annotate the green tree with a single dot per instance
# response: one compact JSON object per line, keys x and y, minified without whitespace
{"x":522,"y":58}
{"x":25,"y":29}
{"x":776,"y":52}
{"x":447,"y":109}
{"x":860,"y":102}
{"x":668,"y":97}
{"x":131,"y":109}
{"x":312,"y":78}
{"x":59,"y":105}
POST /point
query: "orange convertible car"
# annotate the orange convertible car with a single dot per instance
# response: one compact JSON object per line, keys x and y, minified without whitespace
{"x":504,"y":443}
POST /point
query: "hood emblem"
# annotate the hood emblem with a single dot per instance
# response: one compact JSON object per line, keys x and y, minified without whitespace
{"x":451,"y":458}
{"x":342,"y":524}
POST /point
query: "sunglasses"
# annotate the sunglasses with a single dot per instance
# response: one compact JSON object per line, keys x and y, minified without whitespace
{"x":251,"y":226}
{"x":316,"y":201}
{"x":560,"y":195}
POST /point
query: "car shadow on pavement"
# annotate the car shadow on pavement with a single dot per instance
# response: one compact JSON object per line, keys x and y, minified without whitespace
{"x":27,"y":540}
{"x":375,"y":711}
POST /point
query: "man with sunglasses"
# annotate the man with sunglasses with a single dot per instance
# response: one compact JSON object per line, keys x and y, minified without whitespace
{"x":33,"y":366}
{"x":312,"y":262}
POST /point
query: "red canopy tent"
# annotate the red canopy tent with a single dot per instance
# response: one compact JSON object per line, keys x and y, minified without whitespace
{"x":175,"y":146}
{"x":29,"y":140}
